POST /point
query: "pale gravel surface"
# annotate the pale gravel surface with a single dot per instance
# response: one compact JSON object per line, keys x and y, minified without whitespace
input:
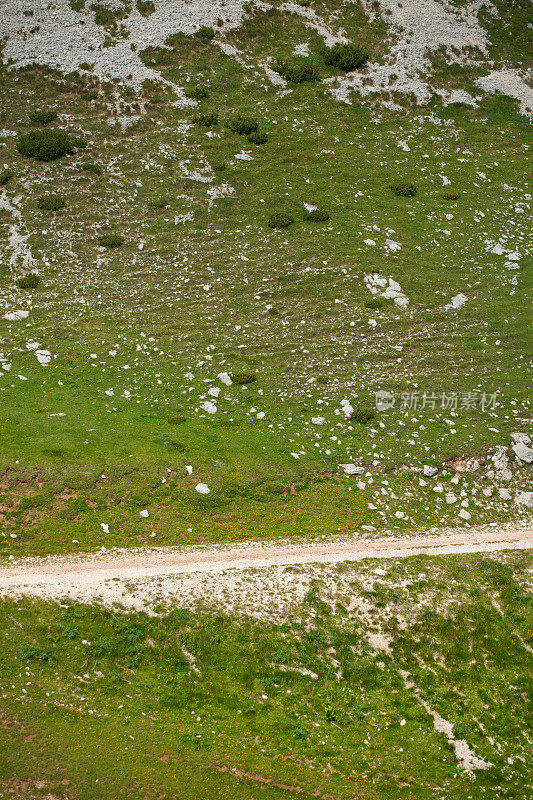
{"x":228,"y":576}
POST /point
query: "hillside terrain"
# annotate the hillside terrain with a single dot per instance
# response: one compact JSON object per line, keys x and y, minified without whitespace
{"x":265,"y":274}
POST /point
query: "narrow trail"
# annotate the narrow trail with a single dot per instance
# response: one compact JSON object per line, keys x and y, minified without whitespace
{"x":57,"y":576}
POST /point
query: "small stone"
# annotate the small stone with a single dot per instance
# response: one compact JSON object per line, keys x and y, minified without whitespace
{"x":523,"y":452}
{"x":521,"y":437}
{"x":318,"y":420}
{"x":505,"y":494}
{"x":525,"y":499}
{"x":429,"y":471}
{"x":202,"y":488}
{"x":352,"y":469}
{"x":464,"y":514}
{"x":144,"y":513}
{"x":451,"y":498}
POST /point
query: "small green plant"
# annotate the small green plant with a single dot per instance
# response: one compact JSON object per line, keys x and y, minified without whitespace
{"x":362,"y":415}
{"x":5,"y":177}
{"x":79,"y":143}
{"x":375,"y":303}
{"x":280,"y":220}
{"x":403,"y":189}
{"x":298,"y":70}
{"x":30,"y":652}
{"x":96,"y":169}
{"x":206,"y":120}
{"x":451,"y":195}
{"x":43,"y":117}
{"x":205,"y":32}
{"x":243,"y":126}
{"x":242,"y":378}
{"x":145,"y":7}
{"x":316,"y":215}
{"x":345,"y":57}
{"x":89,"y":94}
{"x":47,"y":145}
{"x":30,"y":281}
{"x":51,"y":202}
{"x":258,"y":138}
{"x":111,"y":240}
{"x":159,"y":202}
{"x":196,"y":93}
{"x":323,"y":380}
{"x":220,"y":166}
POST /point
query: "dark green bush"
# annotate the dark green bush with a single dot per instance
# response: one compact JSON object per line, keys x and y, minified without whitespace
{"x":205,"y":32}
{"x":298,"y":70}
{"x":89,"y":94}
{"x":220,"y":167}
{"x":280,"y":220}
{"x":145,"y":7}
{"x":206,"y":120}
{"x":5,"y":177}
{"x":242,"y":378}
{"x":80,"y":143}
{"x":47,"y":145}
{"x":159,"y":202}
{"x":111,"y":240}
{"x":404,"y":189}
{"x":196,"y":93}
{"x":258,"y":138}
{"x":43,"y":117}
{"x":30,"y":652}
{"x":243,"y":126}
{"x":345,"y":57}
{"x":30,"y":281}
{"x":51,"y":202}
{"x":451,"y":195}
{"x":96,"y":169}
{"x":375,"y":303}
{"x":316,"y":215}
{"x":362,"y":415}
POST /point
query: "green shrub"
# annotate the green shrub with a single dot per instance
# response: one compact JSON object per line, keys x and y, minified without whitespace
{"x":362,"y":415}
{"x":145,"y":7}
{"x":30,"y":652}
{"x":323,"y":380}
{"x":205,"y":32}
{"x":96,"y":169}
{"x":242,"y":378}
{"x":29,"y":281}
{"x":176,"y":419}
{"x":404,"y":189}
{"x":451,"y":195}
{"x":258,"y":138}
{"x":298,"y":70}
{"x":316,"y":215}
{"x":43,"y":117}
{"x":206,"y":120}
{"x":280,"y":220}
{"x":47,"y":145}
{"x":159,"y":202}
{"x":89,"y":94}
{"x":220,"y":167}
{"x":196,"y":93}
{"x":345,"y":57}
{"x":51,"y":202}
{"x":5,"y":177}
{"x":243,"y":126}
{"x":79,"y":143}
{"x":111,"y":240}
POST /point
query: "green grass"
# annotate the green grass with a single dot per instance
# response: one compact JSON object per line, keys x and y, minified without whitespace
{"x":201,"y":285}
{"x":100,"y":703}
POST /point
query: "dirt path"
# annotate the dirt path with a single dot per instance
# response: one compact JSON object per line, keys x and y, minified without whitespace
{"x":56,"y":576}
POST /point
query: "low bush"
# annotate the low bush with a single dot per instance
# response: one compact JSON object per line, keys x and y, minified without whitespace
{"x":47,"y":145}
{"x":297,"y":70}
{"x":145,"y":7}
{"x":375,"y":303}
{"x":111,"y":240}
{"x":206,"y":120}
{"x":451,"y":195}
{"x":220,"y":166}
{"x":5,"y":177}
{"x":205,"y":32}
{"x":345,"y":57}
{"x":243,"y":126}
{"x":196,"y":93}
{"x":96,"y":169}
{"x":280,"y":220}
{"x":159,"y":202}
{"x":404,"y":189}
{"x":258,"y":138}
{"x":89,"y":94}
{"x":362,"y":415}
{"x":43,"y":117}
{"x":242,"y":378}
{"x":30,"y":281}
{"x":316,"y":215}
{"x":30,"y":652}
{"x":51,"y":202}
{"x":79,"y":143}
